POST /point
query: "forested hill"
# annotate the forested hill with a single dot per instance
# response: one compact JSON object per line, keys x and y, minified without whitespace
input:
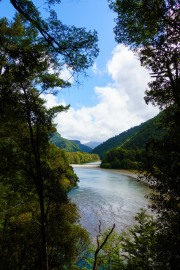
{"x":114,"y":142}
{"x":68,"y":145}
{"x":134,"y":138}
{"x":82,"y":147}
{"x":63,"y":143}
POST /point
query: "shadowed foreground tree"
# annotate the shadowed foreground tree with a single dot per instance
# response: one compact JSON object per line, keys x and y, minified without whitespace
{"x":37,"y":221}
{"x":152,"y":29}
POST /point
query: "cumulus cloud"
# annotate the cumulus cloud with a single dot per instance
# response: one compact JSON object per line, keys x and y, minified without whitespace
{"x":120,"y":103}
{"x":96,"y":70}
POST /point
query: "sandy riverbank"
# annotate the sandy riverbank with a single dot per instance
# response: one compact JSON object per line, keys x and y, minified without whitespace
{"x":124,"y":172}
{"x":97,"y":166}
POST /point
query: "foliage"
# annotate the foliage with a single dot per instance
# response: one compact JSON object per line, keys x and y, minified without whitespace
{"x":68,"y":145}
{"x":63,"y":143}
{"x":125,"y":151}
{"x":130,"y":250}
{"x":141,"y":22}
{"x":82,"y":147}
{"x":114,"y":142}
{"x":37,"y":222}
{"x":80,"y":157}
{"x":153,"y":29}
{"x":75,"y":47}
{"x":121,"y":158}
{"x":156,"y":41}
{"x":163,"y":173}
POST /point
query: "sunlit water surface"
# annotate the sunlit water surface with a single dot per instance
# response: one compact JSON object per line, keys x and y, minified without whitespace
{"x":107,"y":196}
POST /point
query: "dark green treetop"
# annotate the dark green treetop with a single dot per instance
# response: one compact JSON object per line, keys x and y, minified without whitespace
{"x":152,"y":29}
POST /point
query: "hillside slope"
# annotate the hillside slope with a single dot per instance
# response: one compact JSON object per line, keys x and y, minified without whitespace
{"x":82,"y":147}
{"x":63,"y":143}
{"x":133,"y":138}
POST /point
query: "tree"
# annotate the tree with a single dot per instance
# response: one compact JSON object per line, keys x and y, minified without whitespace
{"x":163,"y":173}
{"x":35,"y":176}
{"x":142,"y":22}
{"x":132,"y":249}
{"x":75,"y":47}
{"x":151,"y":28}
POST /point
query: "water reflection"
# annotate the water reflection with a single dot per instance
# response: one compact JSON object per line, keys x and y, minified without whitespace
{"x":107,"y":196}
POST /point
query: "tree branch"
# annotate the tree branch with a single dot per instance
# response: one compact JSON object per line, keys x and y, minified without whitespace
{"x":100,"y":246}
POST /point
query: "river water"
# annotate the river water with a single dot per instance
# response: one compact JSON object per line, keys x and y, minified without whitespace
{"x":107,"y":196}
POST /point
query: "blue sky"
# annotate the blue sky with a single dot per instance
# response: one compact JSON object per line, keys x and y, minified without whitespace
{"x":110,"y":99}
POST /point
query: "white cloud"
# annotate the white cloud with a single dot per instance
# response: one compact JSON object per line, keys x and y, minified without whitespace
{"x":65,"y":73}
{"x":96,"y":70}
{"x":120,"y":104}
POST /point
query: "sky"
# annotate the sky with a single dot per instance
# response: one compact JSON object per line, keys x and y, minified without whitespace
{"x":110,"y":99}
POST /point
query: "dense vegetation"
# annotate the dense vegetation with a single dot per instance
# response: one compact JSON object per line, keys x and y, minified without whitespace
{"x":81,"y":157}
{"x":75,"y":152}
{"x":63,"y":143}
{"x":38,"y":224}
{"x":68,"y":145}
{"x":114,"y":142}
{"x":82,"y":147}
{"x":151,"y":28}
{"x":134,"y":138}
{"x":121,"y":158}
{"x":126,"y":150}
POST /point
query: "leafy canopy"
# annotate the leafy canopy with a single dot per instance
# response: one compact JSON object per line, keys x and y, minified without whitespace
{"x":75,"y":47}
{"x":36,"y":215}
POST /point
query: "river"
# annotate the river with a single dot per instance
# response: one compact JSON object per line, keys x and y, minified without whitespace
{"x":107,"y":196}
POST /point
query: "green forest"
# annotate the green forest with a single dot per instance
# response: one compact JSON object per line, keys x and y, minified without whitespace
{"x":68,"y":145}
{"x":127,"y":150}
{"x":81,"y":157}
{"x":39,"y":225}
{"x":75,"y":152}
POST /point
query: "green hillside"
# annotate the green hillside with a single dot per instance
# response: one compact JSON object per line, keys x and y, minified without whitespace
{"x":63,"y":143}
{"x":68,"y":145}
{"x":125,"y":151}
{"x":150,"y":129}
{"x":82,"y":147}
{"x":75,"y":152}
{"x":114,"y":142}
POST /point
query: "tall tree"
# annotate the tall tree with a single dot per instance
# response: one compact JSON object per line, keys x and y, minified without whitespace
{"x":35,"y":176}
{"x":152,"y":29}
{"x":30,"y":48}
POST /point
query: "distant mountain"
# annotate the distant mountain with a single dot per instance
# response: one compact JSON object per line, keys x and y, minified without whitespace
{"x":82,"y":147}
{"x":133,"y":138}
{"x":92,"y":144}
{"x":68,"y":145}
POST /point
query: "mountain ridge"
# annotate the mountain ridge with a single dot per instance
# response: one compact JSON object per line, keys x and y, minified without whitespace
{"x":133,"y":138}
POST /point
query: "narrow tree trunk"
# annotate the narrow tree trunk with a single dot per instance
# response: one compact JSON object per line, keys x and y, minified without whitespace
{"x":43,"y":235}
{"x":38,"y":181}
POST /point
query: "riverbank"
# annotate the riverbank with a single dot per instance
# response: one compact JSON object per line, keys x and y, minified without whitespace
{"x":132,"y":174}
{"x":123,"y":172}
